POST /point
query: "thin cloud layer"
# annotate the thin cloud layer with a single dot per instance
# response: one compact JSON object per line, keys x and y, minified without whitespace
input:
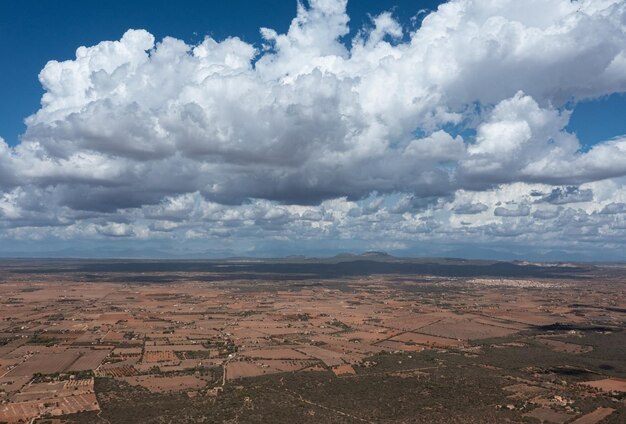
{"x":393,"y":134}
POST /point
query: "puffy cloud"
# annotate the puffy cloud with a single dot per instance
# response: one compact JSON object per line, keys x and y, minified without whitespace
{"x":570,"y":194}
{"x":301,"y":121}
{"x":614,"y":208}
{"x":6,"y":175}
{"x":470,"y":208}
{"x":315,"y":136}
{"x":521,"y":210}
{"x":520,"y":141}
{"x":546,"y":213}
{"x":116,"y":230}
{"x":516,"y":138}
{"x":439,"y":146}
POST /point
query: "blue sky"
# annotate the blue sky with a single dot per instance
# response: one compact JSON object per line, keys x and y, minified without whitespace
{"x":485,"y":125}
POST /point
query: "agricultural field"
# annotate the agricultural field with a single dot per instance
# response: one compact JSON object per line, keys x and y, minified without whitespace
{"x":103,"y":343}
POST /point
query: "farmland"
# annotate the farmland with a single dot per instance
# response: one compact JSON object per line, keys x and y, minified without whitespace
{"x":92,"y":342}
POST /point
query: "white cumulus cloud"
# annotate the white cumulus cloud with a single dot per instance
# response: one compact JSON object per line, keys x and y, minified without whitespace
{"x":139,"y":137}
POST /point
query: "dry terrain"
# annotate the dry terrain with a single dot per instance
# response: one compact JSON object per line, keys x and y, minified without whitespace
{"x":123,"y":343}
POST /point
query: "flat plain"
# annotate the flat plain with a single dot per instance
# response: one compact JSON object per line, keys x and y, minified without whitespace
{"x":351,"y":339}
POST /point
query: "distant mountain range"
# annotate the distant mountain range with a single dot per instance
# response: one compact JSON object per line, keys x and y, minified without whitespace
{"x":300,"y":267}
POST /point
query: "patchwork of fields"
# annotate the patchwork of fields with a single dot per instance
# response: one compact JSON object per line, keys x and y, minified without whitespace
{"x":545,"y":349}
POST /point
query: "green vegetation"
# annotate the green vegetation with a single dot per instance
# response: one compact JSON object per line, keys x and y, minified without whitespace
{"x":224,"y":347}
{"x":338,"y":324}
{"x":61,"y":376}
{"x":39,"y":339}
{"x":194,"y":354}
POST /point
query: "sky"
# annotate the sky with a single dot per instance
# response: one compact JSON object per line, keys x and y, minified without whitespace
{"x":209,"y":129}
